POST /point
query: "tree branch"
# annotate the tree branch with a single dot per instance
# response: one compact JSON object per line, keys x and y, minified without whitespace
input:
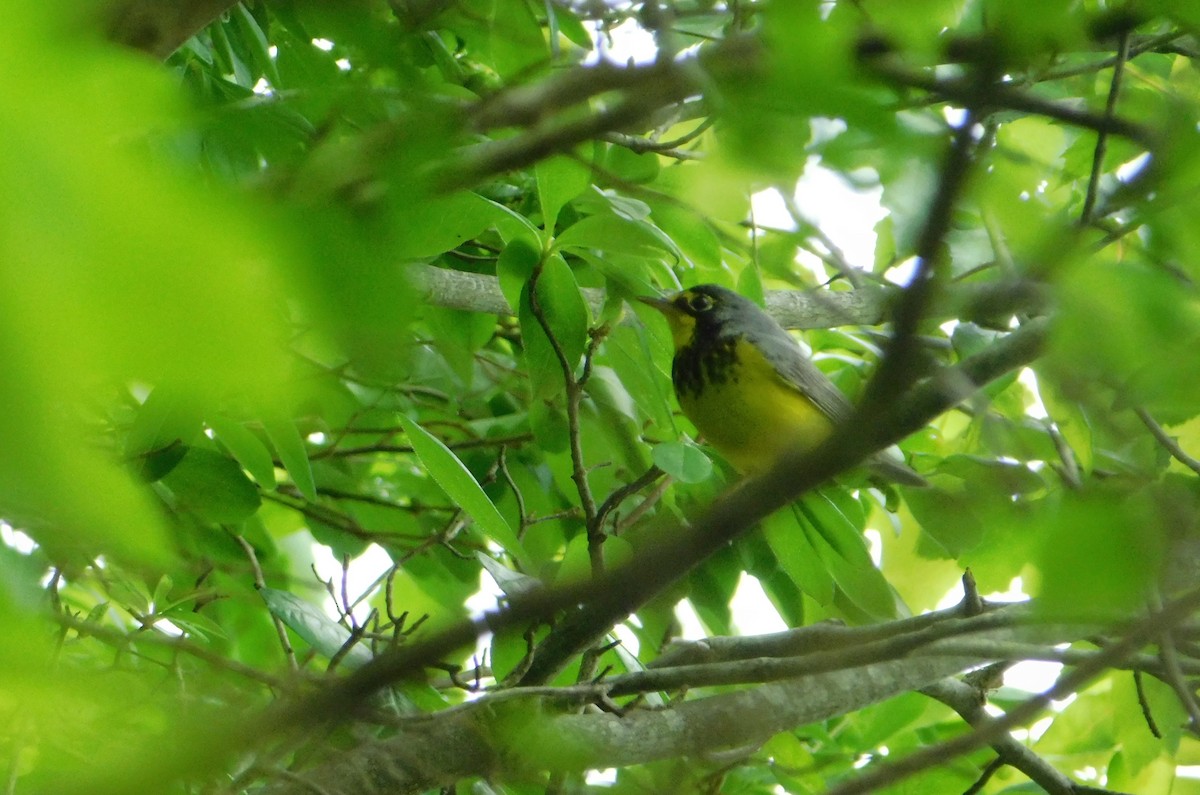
{"x":968,"y":702}
{"x":1110,"y":109}
{"x":967,"y":92}
{"x":706,"y":725}
{"x":1137,"y":635}
{"x":986,"y":302}
{"x":159,"y":28}
{"x":574,"y":395}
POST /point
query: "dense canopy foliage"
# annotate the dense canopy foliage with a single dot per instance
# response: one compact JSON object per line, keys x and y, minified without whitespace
{"x":338,"y":458}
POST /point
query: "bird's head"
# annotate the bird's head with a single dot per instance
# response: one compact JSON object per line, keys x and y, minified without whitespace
{"x":707,"y":310}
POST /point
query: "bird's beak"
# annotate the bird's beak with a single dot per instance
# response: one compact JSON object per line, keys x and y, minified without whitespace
{"x":680,"y":322}
{"x":661,"y":304}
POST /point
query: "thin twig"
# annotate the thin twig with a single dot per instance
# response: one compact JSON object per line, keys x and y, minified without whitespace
{"x":615,"y":499}
{"x":522,"y":514}
{"x":1167,"y":442}
{"x":121,"y":640}
{"x":993,"y":767}
{"x":1069,"y":471}
{"x":259,"y":584}
{"x":1144,"y":703}
{"x":465,"y":444}
{"x":574,"y":388}
{"x":998,"y":96}
{"x":669,"y":148}
{"x":1114,"y":90}
{"x":897,"y":369}
{"x":1173,"y":672}
{"x":1148,"y":45}
{"x":643,"y":507}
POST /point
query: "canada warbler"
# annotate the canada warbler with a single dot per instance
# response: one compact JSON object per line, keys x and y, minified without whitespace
{"x":744,"y":383}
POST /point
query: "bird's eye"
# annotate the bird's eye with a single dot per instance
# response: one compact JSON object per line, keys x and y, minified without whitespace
{"x":701,"y":302}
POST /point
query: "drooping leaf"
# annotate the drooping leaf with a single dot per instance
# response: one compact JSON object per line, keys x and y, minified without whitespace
{"x":292,"y":453}
{"x":564,"y":314}
{"x":458,"y":483}
{"x":318,"y":630}
{"x":559,"y":179}
{"x":247,"y":448}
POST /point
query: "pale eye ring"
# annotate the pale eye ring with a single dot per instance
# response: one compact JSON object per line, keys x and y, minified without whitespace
{"x":701,"y":302}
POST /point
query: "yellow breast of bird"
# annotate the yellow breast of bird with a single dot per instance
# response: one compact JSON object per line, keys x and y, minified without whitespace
{"x":749,"y":412}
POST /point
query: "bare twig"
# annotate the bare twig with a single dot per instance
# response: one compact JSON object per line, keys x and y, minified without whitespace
{"x":522,"y":514}
{"x":899,"y":366}
{"x":967,"y":92}
{"x":993,"y":767}
{"x":614,"y":500}
{"x":1144,"y":703}
{"x":1167,"y":442}
{"x":1110,"y":109}
{"x":666,"y":148}
{"x":260,"y":583}
{"x":574,"y":395}
{"x":464,"y":444}
{"x":121,"y":640}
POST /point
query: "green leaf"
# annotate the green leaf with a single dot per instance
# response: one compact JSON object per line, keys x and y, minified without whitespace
{"x":213,"y":486}
{"x":1100,"y":550}
{"x":795,"y":554}
{"x":512,"y":225}
{"x":842,"y":548}
{"x":290,"y":447}
{"x":462,"y":488}
{"x":683,"y":461}
{"x":155,"y":464}
{"x":250,"y":451}
{"x":512,"y":583}
{"x":440,"y":223}
{"x":570,"y":26}
{"x":317,"y":629}
{"x":613,"y":234}
{"x":692,"y":233}
{"x":253,"y":35}
{"x":549,"y":426}
{"x":566,"y":314}
{"x":165,"y":416}
{"x":515,"y":267}
{"x":559,"y":179}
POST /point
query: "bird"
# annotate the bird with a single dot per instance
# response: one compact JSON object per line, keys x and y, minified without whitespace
{"x":745,"y":384}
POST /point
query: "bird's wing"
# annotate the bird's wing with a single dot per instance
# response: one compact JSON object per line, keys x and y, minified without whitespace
{"x":801,"y":374}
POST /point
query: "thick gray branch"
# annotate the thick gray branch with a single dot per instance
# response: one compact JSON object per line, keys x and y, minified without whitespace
{"x":868,"y":306}
{"x":512,"y":737}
